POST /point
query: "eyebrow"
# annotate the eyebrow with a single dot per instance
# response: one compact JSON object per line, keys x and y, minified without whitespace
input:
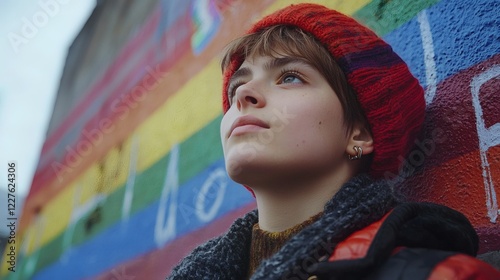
{"x":270,"y":65}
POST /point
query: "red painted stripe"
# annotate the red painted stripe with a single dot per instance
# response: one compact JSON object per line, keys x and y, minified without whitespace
{"x":158,"y":264}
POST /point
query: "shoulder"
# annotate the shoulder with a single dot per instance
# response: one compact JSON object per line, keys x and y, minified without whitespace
{"x":413,"y":241}
{"x":464,"y":267}
{"x":420,"y":264}
{"x":413,"y":225}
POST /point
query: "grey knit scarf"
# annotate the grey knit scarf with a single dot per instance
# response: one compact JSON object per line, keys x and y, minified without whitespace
{"x":357,"y":204}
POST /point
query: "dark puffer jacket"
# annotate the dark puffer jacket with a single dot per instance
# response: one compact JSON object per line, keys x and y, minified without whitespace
{"x":362,"y":234}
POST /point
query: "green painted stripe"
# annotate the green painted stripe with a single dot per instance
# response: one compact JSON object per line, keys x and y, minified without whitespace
{"x":384,"y":16}
{"x":195,"y":157}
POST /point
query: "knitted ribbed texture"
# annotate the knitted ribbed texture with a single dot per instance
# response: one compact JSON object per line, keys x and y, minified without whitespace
{"x":265,"y":244}
{"x":391,"y":98}
{"x":225,"y":257}
{"x":357,"y":204}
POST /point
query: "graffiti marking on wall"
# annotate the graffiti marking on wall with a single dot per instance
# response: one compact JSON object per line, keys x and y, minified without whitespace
{"x":219,"y":178}
{"x":129,"y":187}
{"x":430,"y":64}
{"x":33,"y":236}
{"x":488,"y":137}
{"x":207,"y":20}
{"x":165,"y":232}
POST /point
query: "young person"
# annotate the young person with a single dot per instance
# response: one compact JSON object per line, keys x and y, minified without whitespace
{"x":317,"y":109}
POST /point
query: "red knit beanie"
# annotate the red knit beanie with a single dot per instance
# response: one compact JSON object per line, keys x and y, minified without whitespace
{"x":391,"y":98}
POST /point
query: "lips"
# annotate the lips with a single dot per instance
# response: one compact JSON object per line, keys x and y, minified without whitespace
{"x":247,"y":120}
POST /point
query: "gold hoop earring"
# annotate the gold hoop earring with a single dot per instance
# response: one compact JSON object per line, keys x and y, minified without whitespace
{"x":359,"y":152}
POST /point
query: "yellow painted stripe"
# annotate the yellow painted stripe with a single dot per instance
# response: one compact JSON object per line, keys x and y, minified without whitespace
{"x":189,"y":110}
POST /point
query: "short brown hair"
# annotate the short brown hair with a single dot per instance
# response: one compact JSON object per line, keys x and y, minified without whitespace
{"x":279,"y":40}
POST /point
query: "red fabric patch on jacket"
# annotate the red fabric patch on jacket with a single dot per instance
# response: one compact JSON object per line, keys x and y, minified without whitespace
{"x":357,"y":244}
{"x":464,"y":267}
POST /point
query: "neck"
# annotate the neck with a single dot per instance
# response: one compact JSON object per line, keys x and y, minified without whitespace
{"x":290,"y":204}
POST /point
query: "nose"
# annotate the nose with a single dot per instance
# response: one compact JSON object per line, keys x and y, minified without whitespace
{"x":249,"y":95}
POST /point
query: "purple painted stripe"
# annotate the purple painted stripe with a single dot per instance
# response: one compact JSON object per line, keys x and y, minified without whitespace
{"x":378,"y":57}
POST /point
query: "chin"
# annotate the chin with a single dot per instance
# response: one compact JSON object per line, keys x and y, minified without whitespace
{"x":234,"y":170}
{"x":243,"y":170}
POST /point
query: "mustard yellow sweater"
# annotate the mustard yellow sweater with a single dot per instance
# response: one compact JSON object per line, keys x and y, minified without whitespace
{"x":265,"y":244}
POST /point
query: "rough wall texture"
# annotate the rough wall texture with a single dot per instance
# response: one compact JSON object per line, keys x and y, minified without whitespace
{"x":131,"y":176}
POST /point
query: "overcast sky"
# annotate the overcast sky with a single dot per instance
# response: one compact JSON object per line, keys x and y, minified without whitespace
{"x":34,"y":38}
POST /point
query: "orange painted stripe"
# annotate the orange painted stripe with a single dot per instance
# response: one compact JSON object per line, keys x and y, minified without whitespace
{"x":458,"y":183}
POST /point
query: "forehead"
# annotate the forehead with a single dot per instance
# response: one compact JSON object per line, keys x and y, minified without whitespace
{"x":270,"y":44}
{"x":270,"y":62}
{"x":271,"y":50}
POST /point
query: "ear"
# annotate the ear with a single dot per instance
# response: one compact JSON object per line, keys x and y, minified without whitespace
{"x":360,"y":136}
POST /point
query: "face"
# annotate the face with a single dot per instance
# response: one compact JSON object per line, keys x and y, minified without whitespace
{"x":285,"y":123}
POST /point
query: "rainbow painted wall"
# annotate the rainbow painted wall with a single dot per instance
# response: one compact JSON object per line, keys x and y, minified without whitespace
{"x":131,"y":177}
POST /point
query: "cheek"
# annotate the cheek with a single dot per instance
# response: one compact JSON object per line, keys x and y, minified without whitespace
{"x":319,"y":127}
{"x":319,"y":116}
{"x":225,"y":125}
{"x":332,"y":119}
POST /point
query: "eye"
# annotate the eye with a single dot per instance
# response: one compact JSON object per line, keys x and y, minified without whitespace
{"x":290,"y":77}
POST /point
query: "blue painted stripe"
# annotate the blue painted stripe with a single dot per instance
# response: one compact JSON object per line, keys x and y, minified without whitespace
{"x":123,"y":242}
{"x":464,"y":34}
